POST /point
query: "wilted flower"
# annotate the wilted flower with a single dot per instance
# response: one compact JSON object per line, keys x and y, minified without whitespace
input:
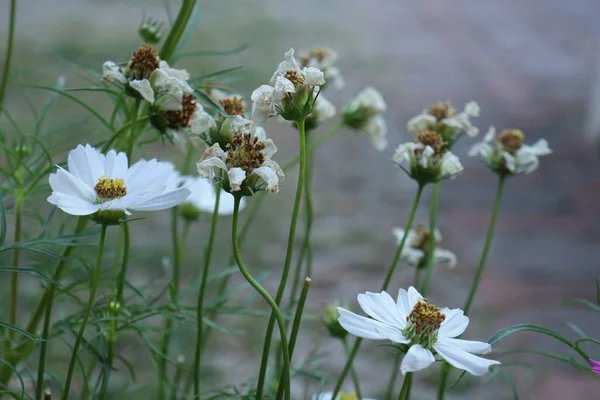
{"x":290,"y":92}
{"x":245,"y":167}
{"x":324,"y":59}
{"x":150,"y":30}
{"x":104,"y":187}
{"x":595,"y":366}
{"x":363,"y":113}
{"x":146,"y":76}
{"x":418,"y":247}
{"x":330,"y":320}
{"x":443,"y":119}
{"x":340,"y":396}
{"x":322,"y":111}
{"x":420,"y":329}
{"x":428,"y":159}
{"x":507,"y":155}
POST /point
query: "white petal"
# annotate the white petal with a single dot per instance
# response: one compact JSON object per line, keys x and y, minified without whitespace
{"x":451,"y":165}
{"x":540,"y":148}
{"x":461,"y":359}
{"x":313,"y":76}
{"x":236,"y":177}
{"x":144,"y":88}
{"x":112,"y":72}
{"x":420,"y":123}
{"x":269,"y":177}
{"x":416,"y":359}
{"x":381,"y":307}
{"x":368,"y":328}
{"x":442,"y":255}
{"x":115,"y":164}
{"x":413,"y":297}
{"x":376,"y":128}
{"x":402,"y":304}
{"x":72,"y":205}
{"x":282,"y":87}
{"x":454,"y":324}
{"x":161,"y":202}
{"x":470,"y":346}
{"x":68,"y":184}
{"x":86,"y":163}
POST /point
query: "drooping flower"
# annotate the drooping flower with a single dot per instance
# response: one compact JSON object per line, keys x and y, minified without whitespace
{"x":340,"y":396}
{"x":428,"y":159}
{"x":290,"y":92}
{"x":443,"y":119}
{"x":506,"y":154}
{"x":148,"y":77}
{"x":422,"y":329}
{"x":364,"y":113}
{"x":245,"y":167}
{"x":104,"y":187}
{"x":324,"y":59}
{"x":595,"y":366}
{"x":417,"y":247}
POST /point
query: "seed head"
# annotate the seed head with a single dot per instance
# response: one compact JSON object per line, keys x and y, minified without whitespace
{"x":440,"y":111}
{"x":426,"y":317}
{"x":423,"y":236}
{"x":143,"y":62}
{"x":178,"y":119}
{"x":317,"y":53}
{"x":245,"y":152}
{"x":511,"y":140}
{"x":233,"y":106}
{"x":431,"y":139}
{"x":295,"y":77}
{"x":110,"y":188}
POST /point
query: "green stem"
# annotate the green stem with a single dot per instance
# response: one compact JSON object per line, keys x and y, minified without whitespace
{"x":486,"y":246}
{"x":445,"y":371}
{"x":132,"y":133}
{"x":86,"y":314}
{"x":176,"y":380}
{"x":318,"y":142}
{"x":9,"y":51}
{"x":386,"y":282}
{"x":14,"y":283}
{"x":435,"y":194}
{"x":296,"y":326}
{"x":202,"y":292}
{"x":272,"y":303}
{"x":108,"y":366}
{"x":170,"y":44}
{"x":86,"y":388}
{"x":81,"y":222}
{"x":405,"y":391}
{"x":353,"y":373}
{"x":124,"y":264}
{"x":288,"y":261}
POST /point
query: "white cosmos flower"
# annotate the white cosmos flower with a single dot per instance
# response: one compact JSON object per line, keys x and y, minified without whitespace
{"x":442,"y":116}
{"x":340,"y":396}
{"x":427,"y":329}
{"x":245,"y":167}
{"x":417,"y":242}
{"x":364,"y":113}
{"x":426,"y":159}
{"x":506,"y":153}
{"x":97,"y":182}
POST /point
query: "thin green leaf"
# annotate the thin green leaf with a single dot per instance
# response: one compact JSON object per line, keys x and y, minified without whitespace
{"x":203,"y":53}
{"x":60,"y":85}
{"x":2,"y":221}
{"x":585,"y":302}
{"x":217,"y":73}
{"x":22,"y":270}
{"x":20,"y":331}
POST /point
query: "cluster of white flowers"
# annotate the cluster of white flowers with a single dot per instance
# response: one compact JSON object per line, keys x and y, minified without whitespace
{"x":364,"y":113}
{"x":290,"y":93}
{"x":444,"y":119}
{"x":422,"y":326}
{"x":507,"y":155}
{"x":324,"y":59}
{"x":418,"y":247}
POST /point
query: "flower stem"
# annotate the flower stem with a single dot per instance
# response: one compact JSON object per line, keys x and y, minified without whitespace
{"x":86,"y":314}
{"x":124,"y":264}
{"x":9,"y":51}
{"x":81,"y":222}
{"x":202,"y":292}
{"x":435,"y":194}
{"x":386,"y":282}
{"x":486,"y":246}
{"x":14,"y":283}
{"x":177,"y":30}
{"x":287,"y":264}
{"x":405,"y":391}
{"x":296,"y":325}
{"x":132,"y":133}
{"x":353,"y":374}
{"x":266,"y":296}
{"x":445,"y":371}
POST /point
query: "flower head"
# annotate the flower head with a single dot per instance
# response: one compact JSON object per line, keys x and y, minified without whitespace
{"x":290,"y":92}
{"x":420,"y":327}
{"x":417,"y":247}
{"x":428,"y":159}
{"x":150,"y":30}
{"x":324,"y":59}
{"x":106,"y":188}
{"x":245,"y":166}
{"x":330,"y":320}
{"x":340,"y":396}
{"x":595,"y":366}
{"x":443,"y":119}
{"x":506,"y":154}
{"x":364,"y":113}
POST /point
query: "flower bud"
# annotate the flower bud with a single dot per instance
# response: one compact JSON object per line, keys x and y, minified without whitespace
{"x":108,"y":217}
{"x":330,"y":320}
{"x":114,"y":307}
{"x":189,"y":212}
{"x":150,"y":30}
{"x":23,"y":151}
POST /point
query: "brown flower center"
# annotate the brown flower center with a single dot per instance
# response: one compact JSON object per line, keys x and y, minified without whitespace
{"x":295,"y":77}
{"x":233,"y":106}
{"x":143,"y":62}
{"x":318,"y":54}
{"x":431,"y":139}
{"x":423,"y":236}
{"x":110,"y":188}
{"x":426,"y":317}
{"x":511,"y":140}
{"x":440,"y":111}
{"x":245,"y":152}
{"x":178,"y":119}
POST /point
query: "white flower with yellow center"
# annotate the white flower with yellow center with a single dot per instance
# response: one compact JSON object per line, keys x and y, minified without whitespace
{"x":290,"y":92}
{"x":245,"y":167}
{"x":507,"y":155}
{"x":418,"y":247}
{"x":95,"y":183}
{"x":427,"y":158}
{"x":364,"y":113}
{"x":425,"y":329}
{"x":340,"y":396}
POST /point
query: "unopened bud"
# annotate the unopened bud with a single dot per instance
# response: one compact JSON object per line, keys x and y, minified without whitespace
{"x":114,"y":307}
{"x":330,"y":320}
{"x":150,"y":30}
{"x":23,"y":151}
{"x":47,"y":394}
{"x":180,"y":360}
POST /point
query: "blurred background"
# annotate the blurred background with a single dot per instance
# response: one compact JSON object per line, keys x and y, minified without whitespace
{"x":530,"y":65}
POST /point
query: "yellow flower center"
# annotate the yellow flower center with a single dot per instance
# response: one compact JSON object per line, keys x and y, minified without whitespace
{"x":426,"y":317}
{"x":295,"y":77}
{"x":110,"y":188}
{"x":511,"y":140}
{"x":348,"y":396}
